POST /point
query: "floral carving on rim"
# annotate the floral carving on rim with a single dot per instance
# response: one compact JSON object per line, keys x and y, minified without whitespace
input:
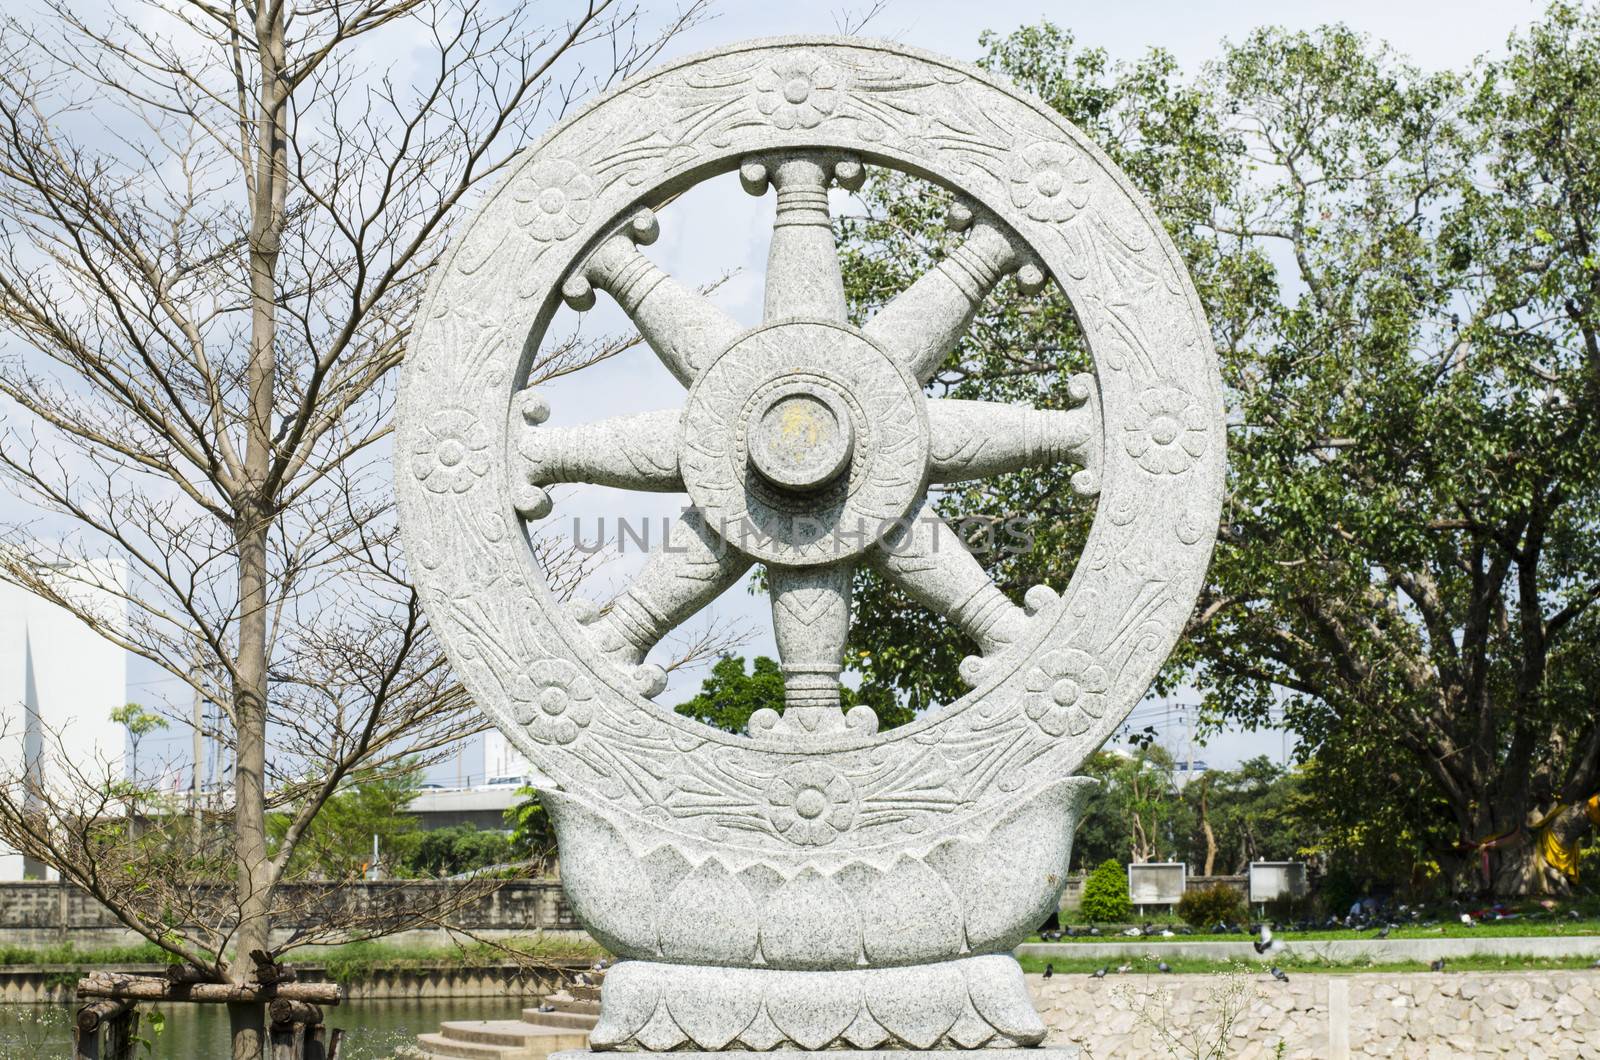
{"x":1050,"y":182}
{"x":1066,"y":692}
{"x":552,"y":199}
{"x":811,"y":804}
{"x":797,"y":91}
{"x":452,"y":452}
{"x":553,"y":700}
{"x":1168,"y":434}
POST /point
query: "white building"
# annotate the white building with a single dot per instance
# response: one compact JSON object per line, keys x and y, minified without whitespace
{"x":501,"y":760}
{"x":59,"y":682}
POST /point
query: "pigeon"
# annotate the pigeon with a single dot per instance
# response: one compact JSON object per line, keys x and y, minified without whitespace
{"x":1167,"y":934}
{"x":1383,"y":932}
{"x":1133,"y":932}
{"x":1573,"y":914}
{"x":1094,"y":931}
{"x":1266,"y":943}
{"x":1098,"y":973}
{"x":1186,"y":930}
{"x":1049,"y":970}
{"x":1466,"y":918}
{"x":547,"y":1007}
{"x":1124,"y":969}
{"x":1437,"y":966}
{"x":1277,"y":973}
{"x":1164,"y":968}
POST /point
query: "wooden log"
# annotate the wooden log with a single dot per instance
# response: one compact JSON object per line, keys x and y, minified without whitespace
{"x":122,"y":1034}
{"x":153,"y":988}
{"x":91,"y":1015}
{"x":283,"y":1041}
{"x":285,"y":1010}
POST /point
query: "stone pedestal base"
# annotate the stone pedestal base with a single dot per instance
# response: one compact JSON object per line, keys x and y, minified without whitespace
{"x":971,"y":1003}
{"x":1070,"y":1052}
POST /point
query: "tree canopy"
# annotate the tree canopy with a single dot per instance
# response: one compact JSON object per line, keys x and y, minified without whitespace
{"x":1403,"y":285}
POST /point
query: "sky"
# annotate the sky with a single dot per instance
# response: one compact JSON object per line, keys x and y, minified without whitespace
{"x":718,"y":231}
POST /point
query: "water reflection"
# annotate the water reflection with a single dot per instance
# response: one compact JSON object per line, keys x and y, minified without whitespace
{"x":374,"y":1030}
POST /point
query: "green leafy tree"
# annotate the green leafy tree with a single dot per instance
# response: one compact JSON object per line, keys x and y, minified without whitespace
{"x":730,"y":694}
{"x":1105,"y":895}
{"x":457,"y":849}
{"x":140,"y":722}
{"x":533,"y":835}
{"x":339,"y":843}
{"x":1403,"y":284}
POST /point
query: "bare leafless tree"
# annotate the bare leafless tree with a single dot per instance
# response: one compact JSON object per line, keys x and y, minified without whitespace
{"x":216,"y":221}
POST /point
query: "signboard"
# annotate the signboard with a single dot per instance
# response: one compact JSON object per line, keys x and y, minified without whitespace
{"x":1157,"y":882}
{"x":1277,"y":881}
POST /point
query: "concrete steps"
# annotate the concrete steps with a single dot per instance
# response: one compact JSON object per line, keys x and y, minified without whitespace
{"x":500,"y":1040}
{"x":574,"y":1010}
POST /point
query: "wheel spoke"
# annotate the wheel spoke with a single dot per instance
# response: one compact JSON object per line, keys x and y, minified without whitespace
{"x":923,"y":323}
{"x":810,"y":621}
{"x":803,"y":278}
{"x":692,"y":569}
{"x":630,"y":452}
{"x":926,"y":558}
{"x":681,"y":325}
{"x":980,"y":439}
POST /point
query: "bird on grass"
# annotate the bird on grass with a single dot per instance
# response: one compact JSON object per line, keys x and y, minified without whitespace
{"x":1164,"y":968}
{"x":1100,"y":973}
{"x":1466,"y":918}
{"x":1049,"y":970}
{"x":1277,"y":973}
{"x":1124,"y":969}
{"x":1437,"y":966}
{"x":1383,"y":932}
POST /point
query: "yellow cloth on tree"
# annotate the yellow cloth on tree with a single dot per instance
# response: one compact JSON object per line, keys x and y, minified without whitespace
{"x":1563,"y":857}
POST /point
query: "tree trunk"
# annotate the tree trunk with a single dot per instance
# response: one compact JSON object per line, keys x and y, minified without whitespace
{"x":255,"y":511}
{"x":1205,"y":827}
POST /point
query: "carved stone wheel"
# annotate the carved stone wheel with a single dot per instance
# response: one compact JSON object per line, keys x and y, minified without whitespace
{"x":815,"y":845}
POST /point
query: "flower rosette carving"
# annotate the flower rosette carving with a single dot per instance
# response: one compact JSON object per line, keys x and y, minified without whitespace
{"x":1050,"y":182}
{"x":1167,"y":434}
{"x":811,"y":804}
{"x":1067,"y":692}
{"x":554,"y":701}
{"x":451,"y":453}
{"x":797,"y":91}
{"x":552,"y":199}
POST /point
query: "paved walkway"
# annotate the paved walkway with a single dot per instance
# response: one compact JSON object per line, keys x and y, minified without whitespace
{"x":1329,"y":949}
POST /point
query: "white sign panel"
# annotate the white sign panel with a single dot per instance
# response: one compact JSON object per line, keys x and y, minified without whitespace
{"x":1277,"y":881}
{"x":1157,"y":882}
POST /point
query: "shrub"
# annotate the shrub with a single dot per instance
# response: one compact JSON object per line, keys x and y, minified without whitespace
{"x":1105,"y":895}
{"x":1210,"y":906}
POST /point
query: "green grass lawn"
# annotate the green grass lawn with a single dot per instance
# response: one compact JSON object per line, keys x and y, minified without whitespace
{"x":1291,"y":965}
{"x":343,"y":963}
{"x":1518,"y":928}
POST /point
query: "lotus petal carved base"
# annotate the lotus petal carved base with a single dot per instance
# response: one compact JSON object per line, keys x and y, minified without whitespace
{"x":1070,"y":1052}
{"x":972,"y":1003}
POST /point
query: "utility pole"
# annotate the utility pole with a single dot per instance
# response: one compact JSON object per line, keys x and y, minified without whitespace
{"x":196,"y":791}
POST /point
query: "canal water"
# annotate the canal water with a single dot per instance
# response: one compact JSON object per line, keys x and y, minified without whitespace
{"x":374,"y":1030}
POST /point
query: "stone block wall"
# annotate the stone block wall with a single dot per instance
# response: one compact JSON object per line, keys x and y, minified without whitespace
{"x":1415,"y":1016}
{"x":44,"y":914}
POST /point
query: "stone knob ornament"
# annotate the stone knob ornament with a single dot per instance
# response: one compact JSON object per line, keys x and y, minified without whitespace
{"x":811,"y":884}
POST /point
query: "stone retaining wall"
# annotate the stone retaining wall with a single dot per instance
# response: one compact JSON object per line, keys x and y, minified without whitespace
{"x":45,"y":914}
{"x":1329,"y":1017}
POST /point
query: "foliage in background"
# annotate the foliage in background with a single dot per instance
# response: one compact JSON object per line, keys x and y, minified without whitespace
{"x":1105,"y":895}
{"x":1403,"y":281}
{"x":1206,"y":907}
{"x":533,"y":835}
{"x":730,"y":694}
{"x":338,"y":845}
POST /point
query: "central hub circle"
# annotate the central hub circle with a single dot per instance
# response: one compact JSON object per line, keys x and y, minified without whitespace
{"x":797,"y":90}
{"x":810,"y":803}
{"x":801,"y":440}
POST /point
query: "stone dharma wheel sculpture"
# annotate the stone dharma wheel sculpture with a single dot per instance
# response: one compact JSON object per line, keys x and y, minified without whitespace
{"x":813,"y":883}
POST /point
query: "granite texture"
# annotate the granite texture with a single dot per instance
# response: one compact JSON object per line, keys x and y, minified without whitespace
{"x":812,"y":844}
{"x":1415,"y":1016}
